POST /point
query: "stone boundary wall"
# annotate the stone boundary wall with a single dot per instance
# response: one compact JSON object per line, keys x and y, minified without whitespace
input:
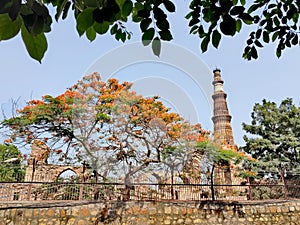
{"x":144,"y":213}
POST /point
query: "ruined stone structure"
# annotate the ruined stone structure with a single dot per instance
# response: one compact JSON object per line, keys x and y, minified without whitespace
{"x":38,"y":170}
{"x":221,"y":118}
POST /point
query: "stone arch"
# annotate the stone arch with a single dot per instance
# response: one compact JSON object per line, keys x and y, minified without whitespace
{"x":71,"y":173}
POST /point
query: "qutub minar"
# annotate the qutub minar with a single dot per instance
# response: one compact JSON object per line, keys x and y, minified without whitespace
{"x":221,"y":117}
{"x":222,"y":124}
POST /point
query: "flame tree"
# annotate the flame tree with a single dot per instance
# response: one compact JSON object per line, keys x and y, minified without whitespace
{"x":116,"y":131}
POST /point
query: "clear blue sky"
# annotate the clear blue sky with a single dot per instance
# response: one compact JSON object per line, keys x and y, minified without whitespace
{"x":69,"y":57}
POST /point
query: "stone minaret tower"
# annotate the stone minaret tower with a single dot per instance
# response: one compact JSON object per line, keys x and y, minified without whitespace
{"x":221,"y":119}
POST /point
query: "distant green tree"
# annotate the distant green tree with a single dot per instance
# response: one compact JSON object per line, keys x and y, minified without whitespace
{"x":274,"y":136}
{"x":10,"y":163}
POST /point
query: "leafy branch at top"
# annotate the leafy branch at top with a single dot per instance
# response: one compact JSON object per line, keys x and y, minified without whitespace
{"x":273,"y":21}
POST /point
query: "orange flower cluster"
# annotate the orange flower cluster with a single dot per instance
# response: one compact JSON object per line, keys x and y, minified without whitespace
{"x":70,"y":94}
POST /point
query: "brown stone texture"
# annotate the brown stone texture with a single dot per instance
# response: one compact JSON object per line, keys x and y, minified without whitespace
{"x":221,"y":118}
{"x":157,"y":213}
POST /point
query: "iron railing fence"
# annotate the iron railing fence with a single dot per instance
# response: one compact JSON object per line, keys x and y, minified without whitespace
{"x":39,"y":191}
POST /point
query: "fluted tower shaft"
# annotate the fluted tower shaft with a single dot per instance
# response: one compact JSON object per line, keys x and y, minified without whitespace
{"x":221,"y":118}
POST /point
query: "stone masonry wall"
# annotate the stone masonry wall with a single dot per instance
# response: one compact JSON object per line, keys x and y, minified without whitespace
{"x":143,"y":213}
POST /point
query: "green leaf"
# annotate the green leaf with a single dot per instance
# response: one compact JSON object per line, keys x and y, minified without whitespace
{"x":38,"y":25}
{"x":148,"y":36}
{"x":14,"y":9}
{"x":246,"y":53}
{"x":163,"y":24}
{"x":253,"y":8}
{"x":258,"y":33}
{"x":90,"y":33}
{"x":145,"y":24}
{"x":144,"y":13}
{"x":194,"y":29}
{"x":159,"y":14}
{"x":156,"y":46}
{"x":114,"y":29}
{"x":189,"y":15}
{"x":249,"y":41}
{"x":238,"y":25}
{"x":204,"y":43}
{"x":165,"y":35}
{"x":276,"y":21}
{"x":119,"y":2}
{"x":123,"y":37}
{"x":246,"y":18}
{"x":169,"y":6}
{"x":237,"y":10}
{"x":228,"y":25}
{"x":9,"y":28}
{"x":193,"y":22}
{"x":258,"y":44}
{"x":66,"y":10}
{"x":35,"y":45}
{"x":295,"y":40}
{"x":254,"y":52}
{"x":274,"y":36}
{"x":101,"y":28}
{"x":119,"y":34}
{"x":295,"y":17}
{"x":60,"y":7}
{"x":5,"y":6}
{"x":216,"y":38}
{"x":85,"y":20}
{"x":127,"y":8}
{"x":266,"y":37}
{"x":92,"y":3}
{"x":201,"y":31}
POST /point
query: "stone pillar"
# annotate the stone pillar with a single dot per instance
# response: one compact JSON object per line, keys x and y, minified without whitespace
{"x":222,"y":121}
{"x":221,"y":118}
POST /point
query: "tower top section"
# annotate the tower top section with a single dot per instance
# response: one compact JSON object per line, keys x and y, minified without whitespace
{"x":218,"y":82}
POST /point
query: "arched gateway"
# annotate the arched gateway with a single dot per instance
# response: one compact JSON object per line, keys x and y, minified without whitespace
{"x":38,"y":170}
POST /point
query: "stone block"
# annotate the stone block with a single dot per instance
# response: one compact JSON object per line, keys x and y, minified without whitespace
{"x":168,"y":210}
{"x":183,"y":211}
{"x":71,"y":221}
{"x":167,"y":222}
{"x":273,"y":209}
{"x":75,"y":212}
{"x":285,"y":209}
{"x":188,"y":221}
{"x":85,"y":212}
{"x":50,"y":213}
{"x":81,"y":222}
{"x":197,"y":221}
{"x":292,"y":208}
{"x":152,"y":211}
{"x":180,"y":221}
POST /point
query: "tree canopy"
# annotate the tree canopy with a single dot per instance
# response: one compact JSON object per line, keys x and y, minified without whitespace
{"x":274,"y":134}
{"x":273,"y":21}
{"x":107,"y":125}
{"x":10,"y":163}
